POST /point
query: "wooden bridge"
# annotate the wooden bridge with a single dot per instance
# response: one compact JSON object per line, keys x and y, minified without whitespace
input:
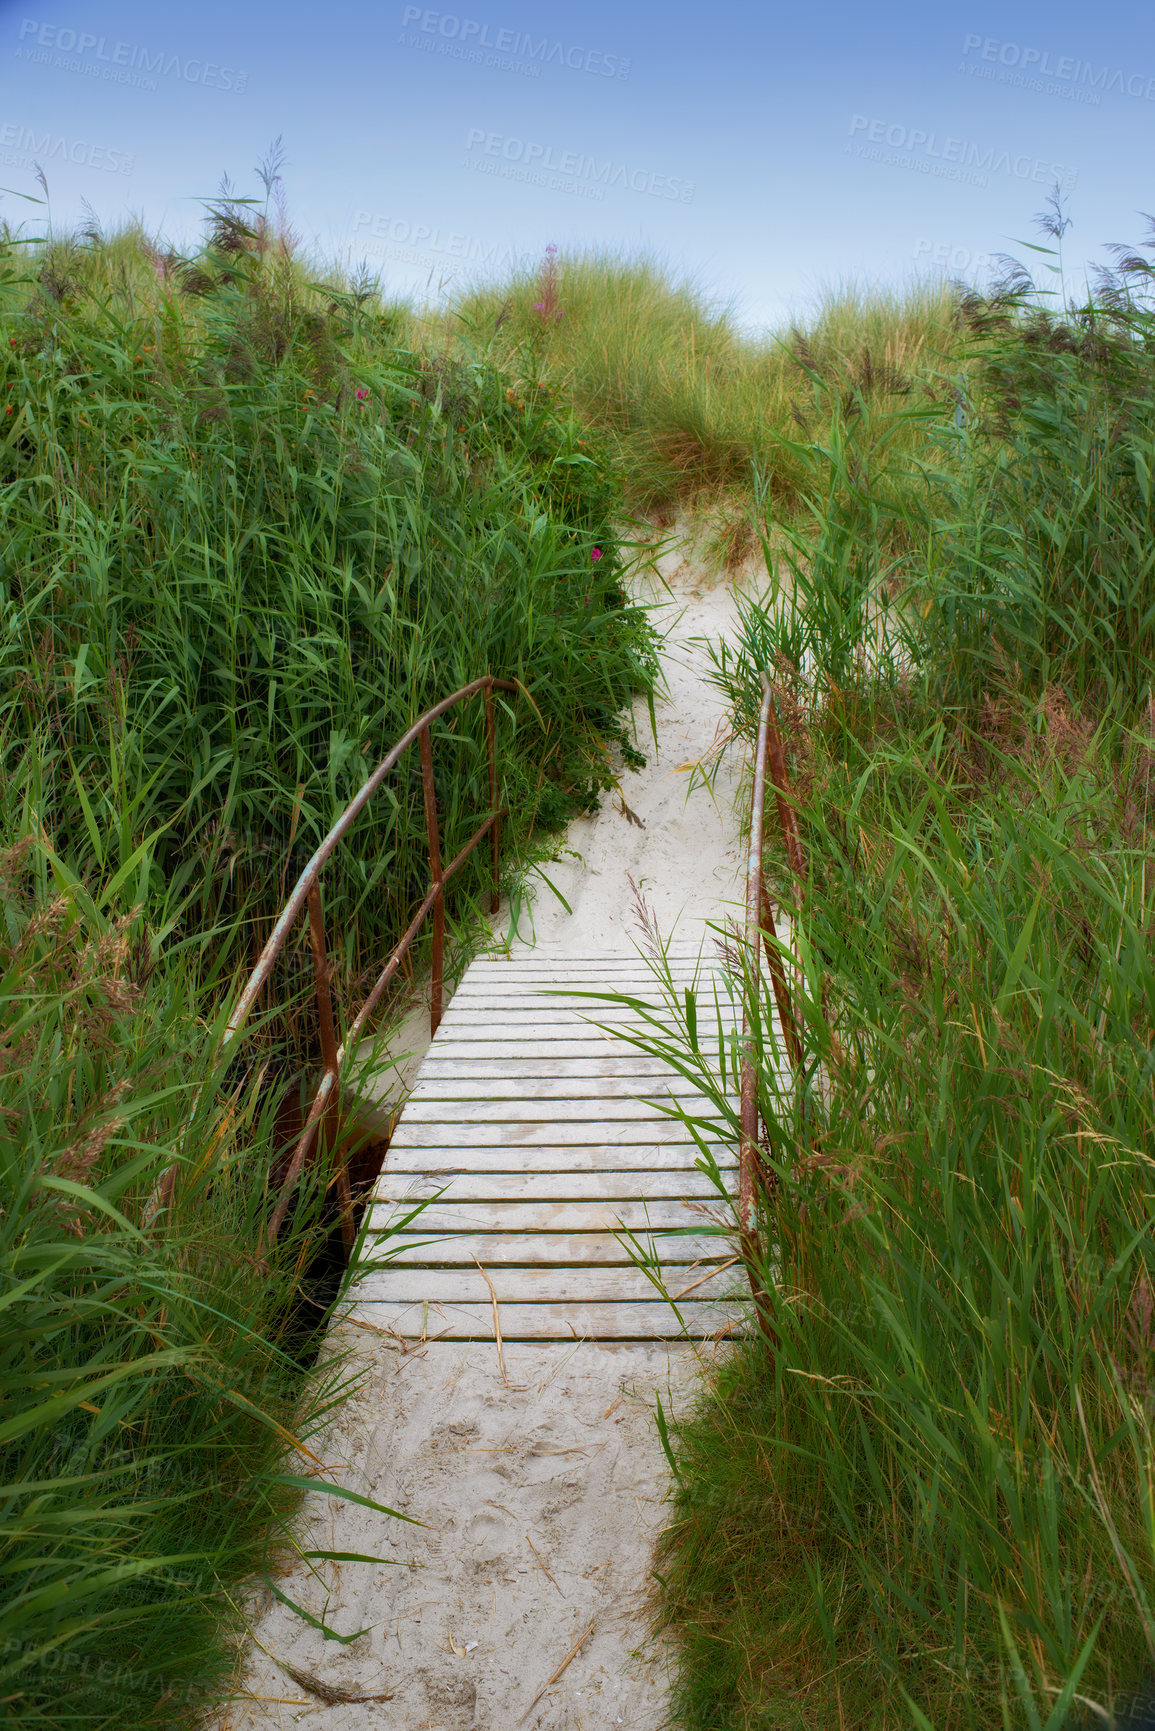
{"x":536,"y":1135}
{"x":563,"y":1201}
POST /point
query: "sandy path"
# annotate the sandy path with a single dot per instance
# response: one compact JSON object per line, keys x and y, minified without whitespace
{"x":688,"y":856}
{"x":542,"y":1501}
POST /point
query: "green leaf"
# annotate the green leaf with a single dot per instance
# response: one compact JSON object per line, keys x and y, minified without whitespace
{"x":324,"y":1488}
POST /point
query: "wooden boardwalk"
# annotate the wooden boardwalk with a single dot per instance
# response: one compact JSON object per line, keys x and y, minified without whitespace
{"x":534,"y":1132}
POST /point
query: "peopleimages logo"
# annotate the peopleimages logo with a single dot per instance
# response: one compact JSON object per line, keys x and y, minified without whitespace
{"x":471,"y":36}
{"x":1032,"y":65}
{"x":119,"y":62}
{"x":954,"y":258}
{"x":949,"y":158}
{"x":420,"y":242}
{"x":25,"y":147}
{"x":568,"y":170}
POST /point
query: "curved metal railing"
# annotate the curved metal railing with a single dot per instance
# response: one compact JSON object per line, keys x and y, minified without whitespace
{"x":323,"y":1116}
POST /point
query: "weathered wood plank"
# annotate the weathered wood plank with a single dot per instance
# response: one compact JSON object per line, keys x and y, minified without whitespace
{"x":591,"y":1185}
{"x":497,"y":980}
{"x":624,"y":1066}
{"x":560,"y":1022}
{"x":511,"y":1247}
{"x":517,"y":1161}
{"x":489,"y":1047}
{"x":512,"y":1023}
{"x":652,"y":1131}
{"x":544,"y":988}
{"x":606,"y":1109}
{"x":631,"y":1214}
{"x":567,"y":966}
{"x":591,"y":1000}
{"x":650,"y":1320}
{"x":646,"y":986}
{"x":591,"y":1284}
{"x":553,"y":1086}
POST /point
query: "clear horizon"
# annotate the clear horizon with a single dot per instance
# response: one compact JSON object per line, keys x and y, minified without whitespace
{"x":764,"y":154}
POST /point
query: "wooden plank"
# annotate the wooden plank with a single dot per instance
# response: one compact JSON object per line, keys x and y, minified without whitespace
{"x":539,"y":1076}
{"x":595,"y":1004}
{"x":466,"y":1215}
{"x":686,"y":972}
{"x":610,"y":1090}
{"x":650,"y":1320}
{"x":506,"y":1187}
{"x":508,"y":1247}
{"x":518,"y":1161}
{"x":587,"y":1001}
{"x":652,"y":1131}
{"x":545,"y":988}
{"x":563,"y":1022}
{"x":628,"y":1066}
{"x":645,"y":986}
{"x":586,"y":979}
{"x":525,"y":1019}
{"x":609,"y":1110}
{"x":589,"y":1284}
{"x":555,"y":964}
{"x":489,"y":1047}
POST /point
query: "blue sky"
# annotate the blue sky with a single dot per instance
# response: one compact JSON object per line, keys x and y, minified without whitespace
{"x":765,"y":149}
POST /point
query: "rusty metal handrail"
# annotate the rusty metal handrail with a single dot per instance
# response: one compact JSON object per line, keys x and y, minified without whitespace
{"x":761,"y":934}
{"x":306,"y":894}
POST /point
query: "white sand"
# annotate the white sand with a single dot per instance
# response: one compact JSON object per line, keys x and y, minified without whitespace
{"x":563,"y":1472}
{"x":688,"y":859}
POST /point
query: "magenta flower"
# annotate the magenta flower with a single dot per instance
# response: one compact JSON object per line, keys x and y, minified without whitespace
{"x":596,"y":554}
{"x":362,"y":393}
{"x":539,"y":306}
{"x":551,"y":247}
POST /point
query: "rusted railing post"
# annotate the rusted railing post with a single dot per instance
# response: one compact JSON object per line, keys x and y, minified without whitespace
{"x":491,"y":747}
{"x":438,"y":884}
{"x":791,"y":1038}
{"x":786,"y":816}
{"x":330,"y":1062}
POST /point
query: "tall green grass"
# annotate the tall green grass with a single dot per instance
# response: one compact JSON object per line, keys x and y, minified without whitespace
{"x":246,"y":543}
{"x":689,"y":404}
{"x":693,"y":405}
{"x":157,"y":1429}
{"x":927,"y":1499}
{"x":247,"y":537}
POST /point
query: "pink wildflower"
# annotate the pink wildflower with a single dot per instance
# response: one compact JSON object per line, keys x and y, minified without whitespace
{"x":547,"y":307}
{"x":362,"y":393}
{"x":596,"y":554}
